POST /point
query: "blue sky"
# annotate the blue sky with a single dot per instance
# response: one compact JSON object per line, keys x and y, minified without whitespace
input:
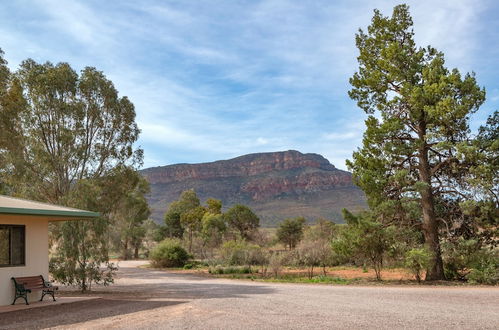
{"x":217,"y":79}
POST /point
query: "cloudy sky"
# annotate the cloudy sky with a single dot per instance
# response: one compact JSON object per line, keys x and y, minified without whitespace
{"x":217,"y":79}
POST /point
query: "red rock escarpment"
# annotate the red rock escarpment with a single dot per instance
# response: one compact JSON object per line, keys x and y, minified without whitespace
{"x":247,"y":165}
{"x":274,"y":184}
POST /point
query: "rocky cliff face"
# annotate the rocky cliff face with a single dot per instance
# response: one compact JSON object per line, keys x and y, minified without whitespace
{"x":247,"y":165}
{"x":276,"y":185}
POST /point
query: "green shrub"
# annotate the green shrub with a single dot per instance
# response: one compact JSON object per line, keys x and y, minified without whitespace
{"x":417,"y":260}
{"x":468,"y":260}
{"x":169,"y":253}
{"x":239,"y":252}
{"x":485,"y":268}
{"x":230,"y":270}
{"x":458,"y":256}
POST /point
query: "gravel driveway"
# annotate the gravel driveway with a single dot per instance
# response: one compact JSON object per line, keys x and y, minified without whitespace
{"x":147,"y":299}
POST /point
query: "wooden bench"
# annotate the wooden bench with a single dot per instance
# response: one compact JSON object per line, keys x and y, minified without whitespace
{"x":27,"y":284}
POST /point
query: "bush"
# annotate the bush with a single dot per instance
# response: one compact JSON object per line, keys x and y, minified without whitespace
{"x":364,"y":240}
{"x":230,"y":270}
{"x":239,"y":252}
{"x":417,"y":260}
{"x":485,"y":268}
{"x":276,"y":262}
{"x":169,"y":253}
{"x":468,"y":260}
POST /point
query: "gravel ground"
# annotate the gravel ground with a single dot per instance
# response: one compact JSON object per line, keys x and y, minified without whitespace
{"x":149,"y":299}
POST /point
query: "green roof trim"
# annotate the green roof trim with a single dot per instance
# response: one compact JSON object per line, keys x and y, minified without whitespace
{"x":58,"y":213}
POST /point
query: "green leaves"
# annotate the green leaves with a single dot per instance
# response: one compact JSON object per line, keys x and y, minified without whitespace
{"x":290,"y":231}
{"x":68,"y":138}
{"x":363,"y":240}
{"x":241,"y":219}
{"x":75,"y":126}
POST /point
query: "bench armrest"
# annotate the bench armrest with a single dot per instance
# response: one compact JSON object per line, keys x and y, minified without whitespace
{"x":20,"y":287}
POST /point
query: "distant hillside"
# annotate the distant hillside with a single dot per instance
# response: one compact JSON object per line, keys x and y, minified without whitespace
{"x":275,"y":185}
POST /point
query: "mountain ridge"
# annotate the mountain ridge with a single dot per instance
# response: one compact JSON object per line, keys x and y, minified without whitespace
{"x":274,"y":184}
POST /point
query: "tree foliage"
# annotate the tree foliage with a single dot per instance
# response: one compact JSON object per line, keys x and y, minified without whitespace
{"x":173,"y":227}
{"x":74,"y":127}
{"x":242,"y":220}
{"x":364,"y":240}
{"x":191,"y":221}
{"x":213,"y":228}
{"x":417,"y":261}
{"x":67,"y":138}
{"x":129,"y":215}
{"x":290,"y":231}
{"x":418,"y":113}
{"x":169,"y":253}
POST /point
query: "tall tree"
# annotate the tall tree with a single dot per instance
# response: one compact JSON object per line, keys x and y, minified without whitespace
{"x":75,"y":127}
{"x":12,"y":103}
{"x":187,"y":201}
{"x":418,"y":114}
{"x":173,"y":227}
{"x":129,"y":216}
{"x":76,"y":140}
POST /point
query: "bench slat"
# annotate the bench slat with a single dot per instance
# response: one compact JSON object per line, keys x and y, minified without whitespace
{"x":32,"y":282}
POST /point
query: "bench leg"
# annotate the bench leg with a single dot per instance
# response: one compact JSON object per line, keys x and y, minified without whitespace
{"x":50,"y":293}
{"x":24,"y":297}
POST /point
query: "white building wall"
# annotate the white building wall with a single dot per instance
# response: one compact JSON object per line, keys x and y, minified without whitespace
{"x":36,"y":256}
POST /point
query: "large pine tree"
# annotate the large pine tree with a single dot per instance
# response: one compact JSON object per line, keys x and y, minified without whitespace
{"x":418,"y":113}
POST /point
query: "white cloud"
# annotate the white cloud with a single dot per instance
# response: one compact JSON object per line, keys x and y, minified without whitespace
{"x":222,"y":80}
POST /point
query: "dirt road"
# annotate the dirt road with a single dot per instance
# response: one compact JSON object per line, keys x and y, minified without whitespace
{"x":148,"y":299}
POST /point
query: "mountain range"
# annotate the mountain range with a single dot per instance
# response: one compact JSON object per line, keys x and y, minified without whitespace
{"x":275,"y":185}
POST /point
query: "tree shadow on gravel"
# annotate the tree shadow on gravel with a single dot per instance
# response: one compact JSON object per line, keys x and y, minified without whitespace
{"x":125,"y":299}
{"x":178,"y":290}
{"x":71,"y":313}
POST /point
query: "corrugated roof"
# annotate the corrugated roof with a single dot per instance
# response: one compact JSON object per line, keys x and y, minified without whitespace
{"x":11,"y":205}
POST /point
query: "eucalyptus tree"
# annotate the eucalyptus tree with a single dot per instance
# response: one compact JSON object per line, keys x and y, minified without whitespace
{"x":129,"y":216}
{"x":74,"y":126}
{"x":11,"y":137}
{"x":418,"y":114}
{"x":68,"y":138}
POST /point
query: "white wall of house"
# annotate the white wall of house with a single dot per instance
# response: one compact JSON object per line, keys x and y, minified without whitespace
{"x":36,"y":256}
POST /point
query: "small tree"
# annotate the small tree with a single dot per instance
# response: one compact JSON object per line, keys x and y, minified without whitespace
{"x":276,"y":262}
{"x":129,"y":215}
{"x":212,"y":229}
{"x":80,"y":264}
{"x":191,"y":221}
{"x":241,"y":219}
{"x":365,"y":240}
{"x":173,"y":227}
{"x":214,"y":206}
{"x":290,"y":231}
{"x":417,"y":260}
{"x":322,"y":229}
{"x":238,"y":252}
{"x":308,"y":254}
